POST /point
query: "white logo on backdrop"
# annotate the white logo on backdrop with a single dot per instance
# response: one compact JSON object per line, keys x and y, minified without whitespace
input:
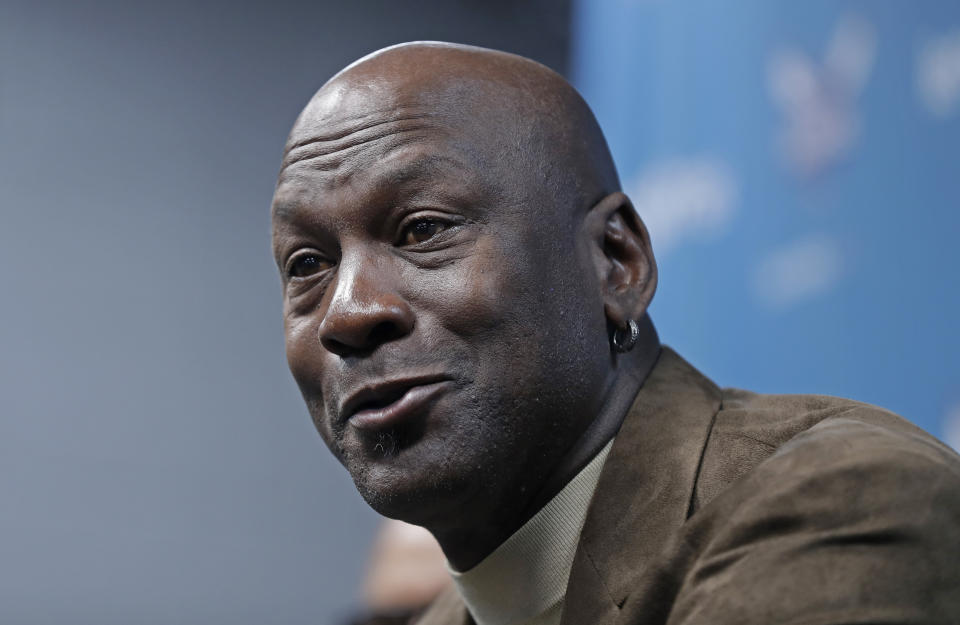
{"x":938,"y":74}
{"x":818,"y":100}
{"x":805,"y":268}
{"x":684,"y":198}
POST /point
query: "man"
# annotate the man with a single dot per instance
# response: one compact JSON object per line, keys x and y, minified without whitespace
{"x":465,"y":303}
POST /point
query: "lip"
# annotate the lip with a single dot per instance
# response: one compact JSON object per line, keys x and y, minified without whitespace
{"x":394,"y":401}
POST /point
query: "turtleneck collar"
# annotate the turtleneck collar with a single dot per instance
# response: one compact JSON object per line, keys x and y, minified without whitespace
{"x":525,"y":579}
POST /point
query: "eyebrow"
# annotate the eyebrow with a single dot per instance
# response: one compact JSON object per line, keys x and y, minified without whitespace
{"x":423,"y":166}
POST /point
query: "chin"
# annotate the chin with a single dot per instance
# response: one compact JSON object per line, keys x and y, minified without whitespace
{"x":411,"y":484}
{"x":420,"y":500}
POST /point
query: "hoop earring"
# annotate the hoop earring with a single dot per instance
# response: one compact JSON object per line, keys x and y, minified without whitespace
{"x":623,"y":343}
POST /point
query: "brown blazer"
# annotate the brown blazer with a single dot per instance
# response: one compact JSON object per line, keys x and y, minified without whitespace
{"x":725,"y":507}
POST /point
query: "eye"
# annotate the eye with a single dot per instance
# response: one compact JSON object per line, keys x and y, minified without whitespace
{"x":306,"y":264}
{"x":421,"y":230}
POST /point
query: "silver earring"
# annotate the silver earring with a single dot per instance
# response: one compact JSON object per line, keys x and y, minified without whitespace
{"x":623,"y":343}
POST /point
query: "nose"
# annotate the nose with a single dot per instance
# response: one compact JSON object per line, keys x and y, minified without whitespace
{"x":365,"y":310}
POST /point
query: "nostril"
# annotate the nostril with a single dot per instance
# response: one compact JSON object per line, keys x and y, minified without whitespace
{"x":333,"y":345}
{"x":347,"y":341}
{"x":332,"y":342}
{"x":354,"y":326}
{"x":383,"y":332}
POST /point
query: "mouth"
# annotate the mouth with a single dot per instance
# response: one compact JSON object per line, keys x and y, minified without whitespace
{"x":387,"y":404}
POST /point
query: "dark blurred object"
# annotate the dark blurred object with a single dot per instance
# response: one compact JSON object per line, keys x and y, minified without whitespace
{"x":407,"y":571}
{"x":400,"y":618}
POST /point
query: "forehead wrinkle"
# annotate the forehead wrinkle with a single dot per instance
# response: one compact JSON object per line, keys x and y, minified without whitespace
{"x":365,"y":123}
{"x":318,"y":148}
{"x":302,"y":204}
{"x":344,"y":164}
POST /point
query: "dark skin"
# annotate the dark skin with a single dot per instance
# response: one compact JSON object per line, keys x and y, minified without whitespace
{"x":453,"y":241}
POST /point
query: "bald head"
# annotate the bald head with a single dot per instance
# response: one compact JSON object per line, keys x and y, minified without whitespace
{"x":521,"y":123}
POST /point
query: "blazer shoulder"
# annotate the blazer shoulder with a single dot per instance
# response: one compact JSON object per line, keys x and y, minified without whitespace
{"x":751,"y":427}
{"x":857,"y":515}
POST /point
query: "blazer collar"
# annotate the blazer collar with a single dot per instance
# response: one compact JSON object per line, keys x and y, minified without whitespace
{"x":645,"y":491}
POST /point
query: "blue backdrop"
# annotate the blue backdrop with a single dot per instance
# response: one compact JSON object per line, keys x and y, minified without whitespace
{"x":798,"y":165}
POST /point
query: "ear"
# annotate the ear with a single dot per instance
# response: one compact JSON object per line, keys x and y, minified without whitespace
{"x":627,"y":271}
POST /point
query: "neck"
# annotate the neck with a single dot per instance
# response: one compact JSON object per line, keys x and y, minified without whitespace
{"x":464,"y":548}
{"x":636,"y":366}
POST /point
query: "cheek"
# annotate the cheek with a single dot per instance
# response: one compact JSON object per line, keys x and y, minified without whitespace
{"x":475,"y":296}
{"x":529,"y":323}
{"x":304,"y":357}
{"x":496,"y":310}
{"x":300,"y":346}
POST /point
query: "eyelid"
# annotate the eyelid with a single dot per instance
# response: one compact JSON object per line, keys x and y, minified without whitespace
{"x":422,"y":214}
{"x":449,"y":220}
{"x":288,"y":265}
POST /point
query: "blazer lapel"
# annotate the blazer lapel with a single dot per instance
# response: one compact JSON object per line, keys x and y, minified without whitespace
{"x":645,"y":489}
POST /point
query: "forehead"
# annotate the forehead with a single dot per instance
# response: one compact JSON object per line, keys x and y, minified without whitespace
{"x":404,"y":170}
{"x":351,"y":143}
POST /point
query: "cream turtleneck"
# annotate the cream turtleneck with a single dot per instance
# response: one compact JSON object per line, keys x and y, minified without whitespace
{"x":524,"y":580}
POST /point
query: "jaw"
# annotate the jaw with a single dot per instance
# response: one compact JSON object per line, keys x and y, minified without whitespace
{"x":419,"y":483}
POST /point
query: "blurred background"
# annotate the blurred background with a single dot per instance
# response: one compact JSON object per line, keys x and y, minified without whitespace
{"x":798,"y":165}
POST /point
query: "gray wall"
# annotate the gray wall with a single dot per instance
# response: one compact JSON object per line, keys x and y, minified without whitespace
{"x":156,"y":463}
